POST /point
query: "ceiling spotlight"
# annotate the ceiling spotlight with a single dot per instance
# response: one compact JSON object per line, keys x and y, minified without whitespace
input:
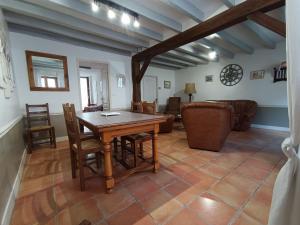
{"x":125,"y":19}
{"x":136,"y":23}
{"x":212,"y":55}
{"x":95,"y":7}
{"x":111,"y":14}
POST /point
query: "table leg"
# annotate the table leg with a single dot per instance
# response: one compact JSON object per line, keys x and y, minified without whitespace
{"x":155,"y":150}
{"x":109,"y":180}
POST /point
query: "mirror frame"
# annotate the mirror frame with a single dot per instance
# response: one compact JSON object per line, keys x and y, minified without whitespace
{"x":32,"y":86}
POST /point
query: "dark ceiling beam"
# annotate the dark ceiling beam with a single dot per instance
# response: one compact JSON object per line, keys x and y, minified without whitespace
{"x":197,"y":15}
{"x":269,"y":22}
{"x":266,"y":40}
{"x":220,"y":22}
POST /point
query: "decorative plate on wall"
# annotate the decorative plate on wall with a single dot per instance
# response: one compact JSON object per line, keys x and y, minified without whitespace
{"x":231,"y":74}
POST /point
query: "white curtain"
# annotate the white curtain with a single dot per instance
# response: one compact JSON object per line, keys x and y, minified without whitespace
{"x":285,"y":209}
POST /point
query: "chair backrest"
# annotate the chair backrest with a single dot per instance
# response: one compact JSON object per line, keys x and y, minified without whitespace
{"x":136,"y":107}
{"x":71,"y":124}
{"x":37,"y":115}
{"x":149,"y":107}
{"x":173,"y":105}
{"x":207,"y":124}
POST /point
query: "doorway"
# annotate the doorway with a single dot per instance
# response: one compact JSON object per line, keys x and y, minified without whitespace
{"x":94,"y":84}
{"x":149,"y":90}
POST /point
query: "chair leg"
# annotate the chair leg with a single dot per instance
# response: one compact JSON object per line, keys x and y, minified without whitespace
{"x":29,"y":144}
{"x":142,"y":150}
{"x":135,"y":152}
{"x":53,"y":137}
{"x":73,"y":163}
{"x":123,"y":149}
{"x":81,"y":173}
{"x":98,"y":160}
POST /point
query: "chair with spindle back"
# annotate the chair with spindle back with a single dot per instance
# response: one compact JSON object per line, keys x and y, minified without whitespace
{"x":80,"y":146}
{"x":137,"y":140}
{"x":38,"y":121}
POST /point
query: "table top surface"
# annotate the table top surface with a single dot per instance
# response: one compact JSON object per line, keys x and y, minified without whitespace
{"x":125,"y":118}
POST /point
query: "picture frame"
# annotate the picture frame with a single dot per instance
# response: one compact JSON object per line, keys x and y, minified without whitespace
{"x":209,"y":78}
{"x":257,"y":75}
{"x":167,"y":84}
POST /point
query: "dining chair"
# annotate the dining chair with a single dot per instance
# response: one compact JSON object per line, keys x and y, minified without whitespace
{"x":81,"y":147}
{"x":136,"y":141}
{"x":38,"y":122}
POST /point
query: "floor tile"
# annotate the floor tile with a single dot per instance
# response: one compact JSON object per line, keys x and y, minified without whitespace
{"x":176,"y":187}
{"x":246,"y":220}
{"x":211,"y":211}
{"x":128,"y":216}
{"x":154,"y":200}
{"x":186,"y":217}
{"x":166,"y":211}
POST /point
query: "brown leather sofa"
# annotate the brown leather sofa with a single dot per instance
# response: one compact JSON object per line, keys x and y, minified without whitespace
{"x":207,"y":124}
{"x":167,"y":127}
{"x":244,"y":112}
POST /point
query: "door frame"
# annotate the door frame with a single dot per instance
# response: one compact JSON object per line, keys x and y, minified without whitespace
{"x":78,"y":60}
{"x":156,"y":78}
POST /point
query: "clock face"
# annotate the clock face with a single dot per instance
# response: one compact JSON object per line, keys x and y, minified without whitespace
{"x":231,"y":74}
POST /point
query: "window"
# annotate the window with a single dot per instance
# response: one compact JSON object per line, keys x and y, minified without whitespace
{"x":85,"y":91}
{"x":49,"y":82}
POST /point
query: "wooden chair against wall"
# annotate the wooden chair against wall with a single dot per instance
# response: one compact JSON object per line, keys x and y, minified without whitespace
{"x":136,"y":140}
{"x":38,"y":121}
{"x":80,"y":146}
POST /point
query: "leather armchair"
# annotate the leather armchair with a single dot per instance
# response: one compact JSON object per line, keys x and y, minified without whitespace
{"x":167,"y":127}
{"x":207,"y":124}
{"x":244,"y":113}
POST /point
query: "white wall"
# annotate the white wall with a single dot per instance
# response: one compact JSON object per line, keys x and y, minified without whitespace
{"x":162,"y":75}
{"x":118,"y":64}
{"x":9,"y":109}
{"x":265,"y":92}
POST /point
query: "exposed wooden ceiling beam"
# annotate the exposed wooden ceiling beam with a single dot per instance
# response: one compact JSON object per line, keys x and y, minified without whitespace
{"x":269,"y":22}
{"x":222,"y":21}
{"x":254,"y":28}
{"x":174,"y":61}
{"x":84,"y":12}
{"x":162,"y":66}
{"x":150,"y":14}
{"x":177,"y":55}
{"x":167,"y":64}
{"x":65,"y":31}
{"x":68,"y":21}
{"x":196,"y":14}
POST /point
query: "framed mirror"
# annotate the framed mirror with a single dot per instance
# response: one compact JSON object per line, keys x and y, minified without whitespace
{"x":47,"y":72}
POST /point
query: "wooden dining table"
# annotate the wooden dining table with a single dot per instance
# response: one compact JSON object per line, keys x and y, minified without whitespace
{"x":126,"y":123}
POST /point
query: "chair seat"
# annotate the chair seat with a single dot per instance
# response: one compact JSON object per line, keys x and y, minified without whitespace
{"x":90,"y":145}
{"x":87,"y":136}
{"x":40,"y":128}
{"x":139,"y":137}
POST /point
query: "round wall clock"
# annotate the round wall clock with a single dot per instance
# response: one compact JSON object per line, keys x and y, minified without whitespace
{"x":231,"y":74}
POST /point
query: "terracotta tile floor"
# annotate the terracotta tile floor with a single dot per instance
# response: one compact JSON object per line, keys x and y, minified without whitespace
{"x":233,"y":186}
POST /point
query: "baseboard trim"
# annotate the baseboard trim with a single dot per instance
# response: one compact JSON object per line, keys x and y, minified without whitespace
{"x":270,"y":127}
{"x":14,"y":192}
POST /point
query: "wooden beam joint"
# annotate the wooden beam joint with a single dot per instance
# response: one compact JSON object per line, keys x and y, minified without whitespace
{"x":269,"y":22}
